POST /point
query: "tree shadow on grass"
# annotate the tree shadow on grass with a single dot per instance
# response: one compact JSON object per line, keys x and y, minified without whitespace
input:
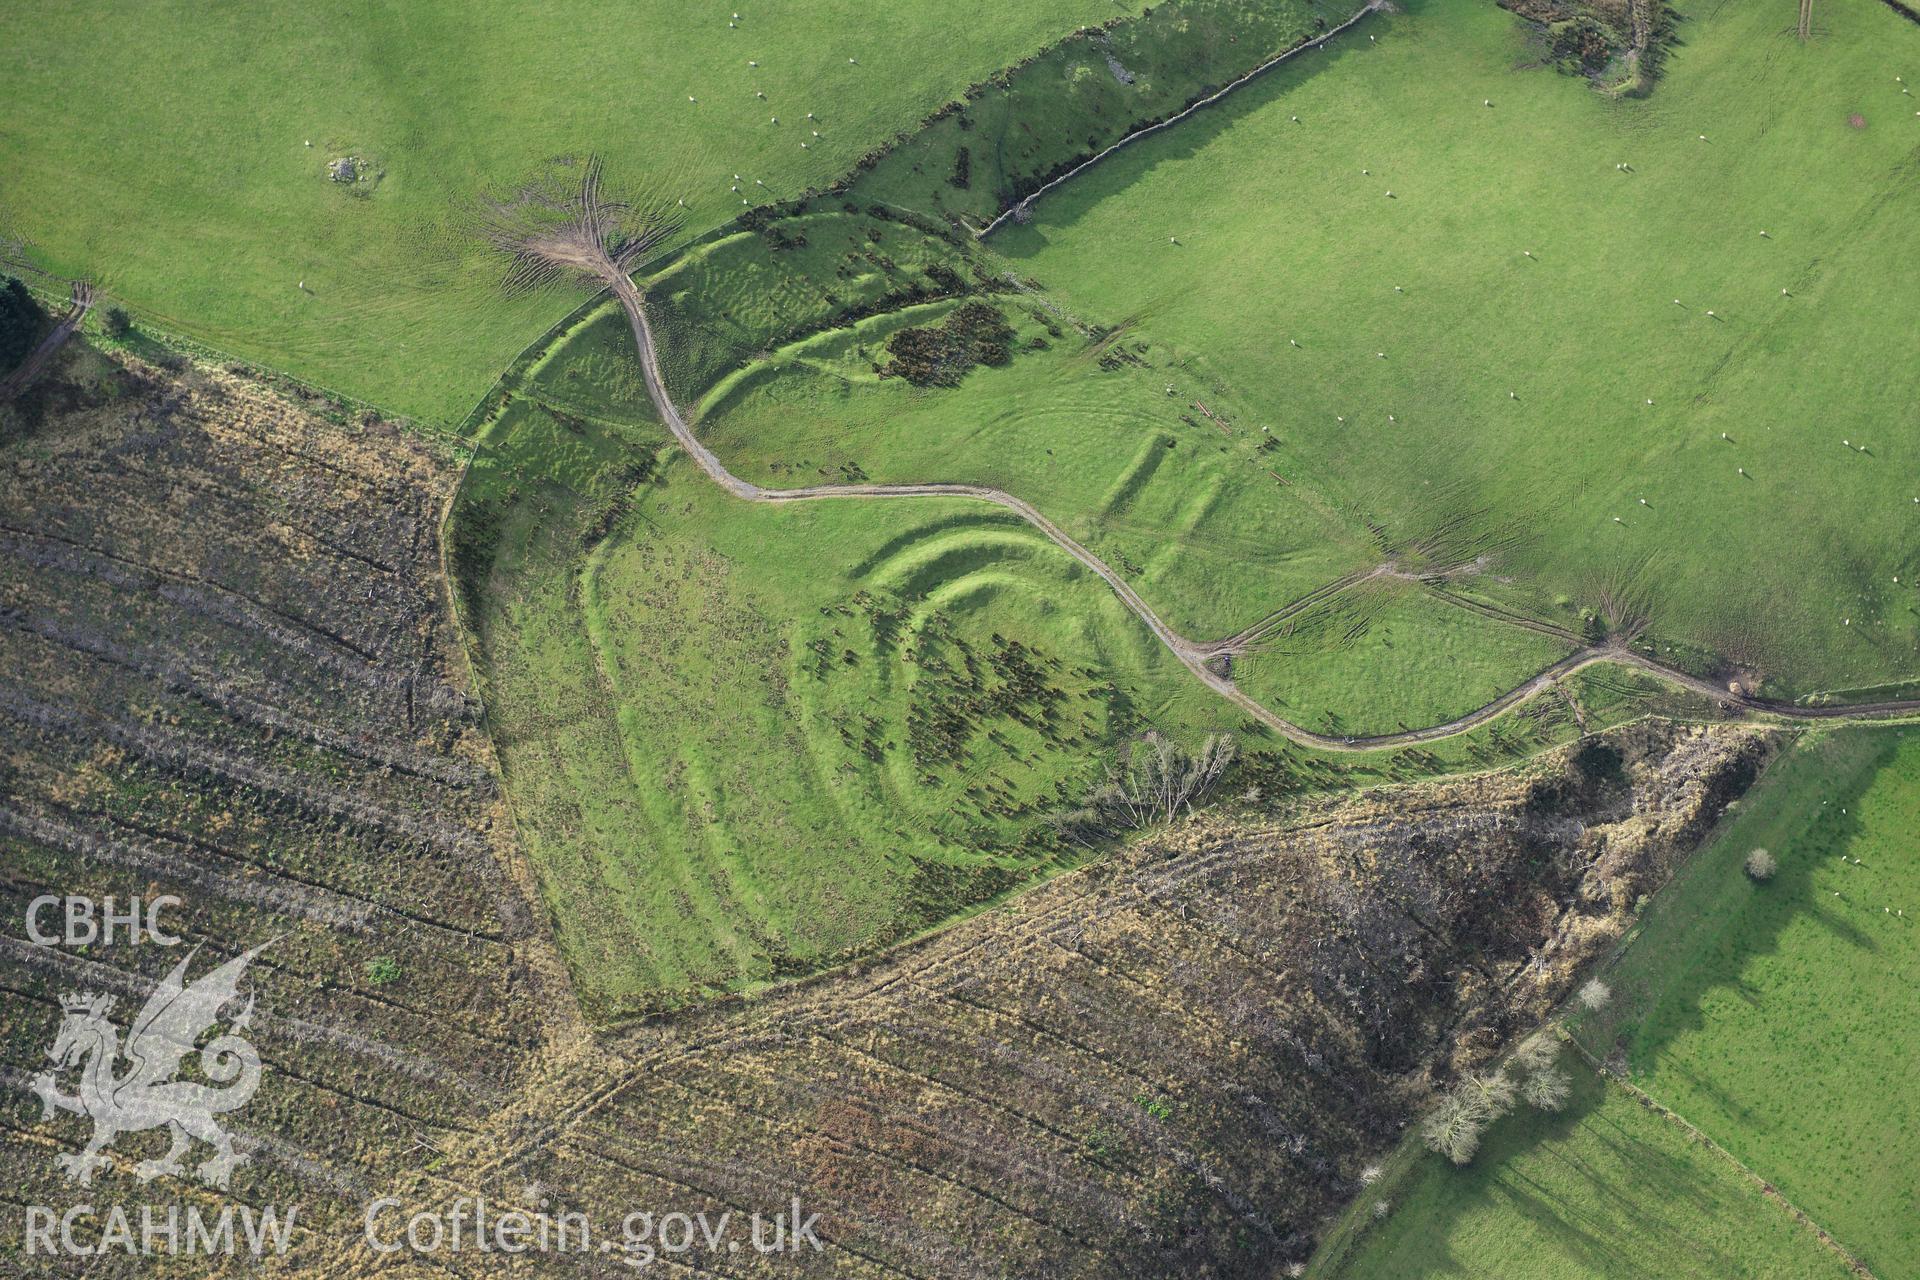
{"x":1584,"y":1192}
{"x":1808,"y":811}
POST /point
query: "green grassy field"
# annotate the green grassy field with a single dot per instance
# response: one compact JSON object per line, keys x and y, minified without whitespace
{"x":1779,"y":1018}
{"x":1776,"y":1018}
{"x":185,"y":187}
{"x":1605,"y":1190}
{"x":1519,"y":387}
{"x":1424,"y":661}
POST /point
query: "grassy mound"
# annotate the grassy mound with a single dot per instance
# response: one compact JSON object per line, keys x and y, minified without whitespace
{"x":742,"y":741}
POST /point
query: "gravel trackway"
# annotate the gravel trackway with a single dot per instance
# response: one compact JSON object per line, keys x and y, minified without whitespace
{"x":1193,"y":656}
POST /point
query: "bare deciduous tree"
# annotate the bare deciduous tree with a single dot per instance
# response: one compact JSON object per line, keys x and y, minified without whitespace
{"x":1158,"y":777}
{"x":1453,"y":1128}
{"x":1542,"y":1083}
{"x":1546,"y":1089}
{"x":1154,"y":780}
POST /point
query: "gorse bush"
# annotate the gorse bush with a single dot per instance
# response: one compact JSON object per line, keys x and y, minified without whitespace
{"x":940,"y":355}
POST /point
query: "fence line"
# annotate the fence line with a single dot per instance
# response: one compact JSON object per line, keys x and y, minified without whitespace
{"x":1176,"y":118}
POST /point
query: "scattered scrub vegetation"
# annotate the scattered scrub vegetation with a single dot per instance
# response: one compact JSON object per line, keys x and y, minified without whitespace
{"x":977,"y":333}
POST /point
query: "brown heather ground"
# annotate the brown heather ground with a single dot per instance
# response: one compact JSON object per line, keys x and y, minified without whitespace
{"x":227,"y":672}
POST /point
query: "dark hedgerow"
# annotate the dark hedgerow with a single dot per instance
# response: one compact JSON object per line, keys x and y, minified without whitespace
{"x":940,"y":355}
{"x":20,"y":322}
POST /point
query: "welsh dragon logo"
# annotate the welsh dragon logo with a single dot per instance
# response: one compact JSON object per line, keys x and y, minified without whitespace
{"x":146,"y":1095}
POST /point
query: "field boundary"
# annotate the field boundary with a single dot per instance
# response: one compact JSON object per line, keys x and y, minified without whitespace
{"x":1910,"y":14}
{"x":1025,"y":206}
{"x":1767,"y":1190}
